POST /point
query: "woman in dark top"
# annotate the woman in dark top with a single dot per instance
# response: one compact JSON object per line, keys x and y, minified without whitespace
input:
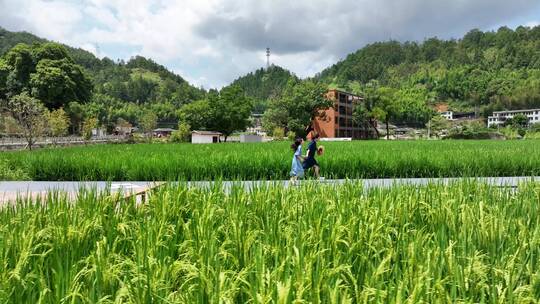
{"x":310,"y":160}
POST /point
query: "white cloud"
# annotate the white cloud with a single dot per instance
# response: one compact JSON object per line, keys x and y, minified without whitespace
{"x":532,"y":23}
{"x":212,"y":42}
{"x":52,"y":19}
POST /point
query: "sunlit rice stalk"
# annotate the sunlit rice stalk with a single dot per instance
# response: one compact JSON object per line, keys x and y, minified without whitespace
{"x":467,"y":242}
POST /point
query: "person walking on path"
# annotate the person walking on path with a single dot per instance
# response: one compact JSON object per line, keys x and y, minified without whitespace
{"x":297,"y":170}
{"x":309,"y":161}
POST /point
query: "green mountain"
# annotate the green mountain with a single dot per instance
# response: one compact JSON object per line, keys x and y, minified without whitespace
{"x":111,"y":91}
{"x":264,"y":84}
{"x":139,"y":80}
{"x":483,"y":70}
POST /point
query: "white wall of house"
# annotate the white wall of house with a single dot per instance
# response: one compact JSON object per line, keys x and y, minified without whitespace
{"x":250,"y":138}
{"x":448,"y":115}
{"x":99,"y":132}
{"x":204,"y":138}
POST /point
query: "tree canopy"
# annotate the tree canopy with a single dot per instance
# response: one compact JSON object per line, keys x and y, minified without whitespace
{"x":298,"y":105}
{"x":46,"y":72}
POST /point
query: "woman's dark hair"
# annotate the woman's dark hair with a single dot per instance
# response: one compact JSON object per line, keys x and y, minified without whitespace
{"x":315,"y":135}
{"x":297,"y":143}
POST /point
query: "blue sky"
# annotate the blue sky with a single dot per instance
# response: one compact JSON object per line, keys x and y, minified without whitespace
{"x":212,"y":42}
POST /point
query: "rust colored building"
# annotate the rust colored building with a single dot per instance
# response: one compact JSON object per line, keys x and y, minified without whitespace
{"x":338,"y":120}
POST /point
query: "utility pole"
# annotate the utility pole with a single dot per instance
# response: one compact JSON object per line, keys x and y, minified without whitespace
{"x":267,"y":58}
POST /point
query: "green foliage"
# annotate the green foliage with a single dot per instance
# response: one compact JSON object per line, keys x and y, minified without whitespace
{"x":183,"y":133}
{"x":437,"y":124}
{"x":484,"y":71}
{"x":75,"y":111}
{"x":89,"y":124}
{"x":278,"y":133}
{"x":196,"y":114}
{"x":510,"y":133}
{"x":58,"y":123}
{"x":229,"y":110}
{"x":30,"y":114}
{"x":265,"y":84}
{"x":8,"y":173}
{"x":10,"y":39}
{"x":4,"y":73}
{"x":9,"y":126}
{"x":472,"y":130}
{"x":20,"y":65}
{"x":47,"y":72}
{"x":148,"y":122}
{"x":300,"y":103}
{"x":61,"y":75}
{"x":532,"y":135}
{"x":519,"y":121}
{"x":291,"y":136}
{"x":357,"y":159}
{"x":58,"y":82}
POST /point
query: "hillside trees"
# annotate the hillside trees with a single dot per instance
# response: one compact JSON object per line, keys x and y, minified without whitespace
{"x":46,"y":72}
{"x":102,"y":88}
{"x":265,"y":84}
{"x":477,"y":72}
{"x":58,"y":82}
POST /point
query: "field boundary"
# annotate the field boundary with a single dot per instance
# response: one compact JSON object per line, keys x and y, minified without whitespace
{"x":9,"y":144}
{"x":10,"y":191}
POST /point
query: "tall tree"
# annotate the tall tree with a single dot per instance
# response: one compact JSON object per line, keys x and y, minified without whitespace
{"x":4,"y":73}
{"x":75,"y":112}
{"x":21,"y":65}
{"x":386,"y":107}
{"x":58,"y":82}
{"x":297,"y":107}
{"x":47,"y":72}
{"x":30,"y":114}
{"x":58,"y":122}
{"x":230,"y":110}
{"x":88,"y":127}
{"x":148,"y":122}
{"x":195,"y":114}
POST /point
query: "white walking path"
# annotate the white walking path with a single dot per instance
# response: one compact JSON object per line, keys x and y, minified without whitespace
{"x":10,"y":191}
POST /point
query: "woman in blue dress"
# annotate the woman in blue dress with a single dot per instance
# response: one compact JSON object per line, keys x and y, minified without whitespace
{"x":297,"y":169}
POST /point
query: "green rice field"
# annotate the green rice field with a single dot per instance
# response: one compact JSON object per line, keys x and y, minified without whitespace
{"x":462,"y":243}
{"x":234,"y":161}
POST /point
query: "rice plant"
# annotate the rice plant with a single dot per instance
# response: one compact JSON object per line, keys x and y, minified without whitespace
{"x":359,"y":159}
{"x":463,"y":243}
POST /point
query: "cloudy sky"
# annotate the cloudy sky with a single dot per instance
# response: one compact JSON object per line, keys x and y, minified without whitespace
{"x":212,"y":42}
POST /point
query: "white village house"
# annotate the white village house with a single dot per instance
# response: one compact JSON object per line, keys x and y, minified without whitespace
{"x":205,"y":137}
{"x":498,"y":118}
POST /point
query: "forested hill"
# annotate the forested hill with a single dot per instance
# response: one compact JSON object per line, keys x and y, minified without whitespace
{"x":263,"y":84}
{"x":109,"y":90}
{"x":139,"y":80}
{"x":486,"y":70}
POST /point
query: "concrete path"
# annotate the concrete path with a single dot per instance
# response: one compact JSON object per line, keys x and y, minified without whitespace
{"x":373,"y":183}
{"x":9,"y":191}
